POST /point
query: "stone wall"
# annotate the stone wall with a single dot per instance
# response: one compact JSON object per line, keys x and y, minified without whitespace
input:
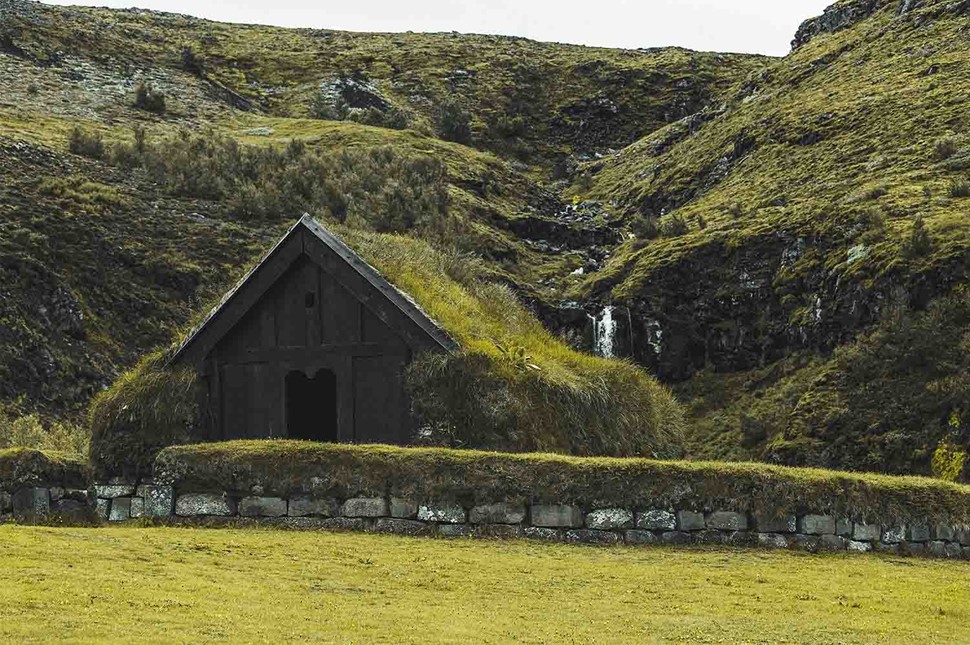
{"x":551,"y":522}
{"x":45,"y":504}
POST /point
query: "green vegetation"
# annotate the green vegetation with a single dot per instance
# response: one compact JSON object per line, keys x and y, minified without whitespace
{"x":147,"y":409}
{"x":292,"y":586}
{"x":29,"y":431}
{"x":20,"y":467}
{"x":514,"y":387}
{"x":470,"y":477}
{"x":884,"y":402}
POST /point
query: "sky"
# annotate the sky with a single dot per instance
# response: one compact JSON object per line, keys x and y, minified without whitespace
{"x":749,"y":26}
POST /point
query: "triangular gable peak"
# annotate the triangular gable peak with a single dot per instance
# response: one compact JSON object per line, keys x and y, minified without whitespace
{"x":308,"y":239}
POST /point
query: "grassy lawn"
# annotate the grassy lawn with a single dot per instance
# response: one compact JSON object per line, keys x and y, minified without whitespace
{"x":196,"y":585}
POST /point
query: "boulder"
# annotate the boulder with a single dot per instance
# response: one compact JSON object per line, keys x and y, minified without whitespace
{"x":816,"y":525}
{"x":310,"y":506}
{"x":497,"y":514}
{"x":262,"y":507}
{"x":656,"y":520}
{"x":608,"y":519}
{"x":31,"y":504}
{"x":556,"y":516}
{"x":690,"y":521}
{"x":196,"y":504}
{"x":365,"y":507}
{"x":727,"y":521}
{"x":766,"y":523}
{"x":444,"y":513}
{"x":403,"y":508}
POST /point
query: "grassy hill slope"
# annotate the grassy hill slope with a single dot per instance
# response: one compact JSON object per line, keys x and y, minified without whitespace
{"x":828,"y":194}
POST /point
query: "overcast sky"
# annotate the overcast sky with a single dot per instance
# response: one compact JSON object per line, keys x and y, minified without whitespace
{"x":754,"y":26}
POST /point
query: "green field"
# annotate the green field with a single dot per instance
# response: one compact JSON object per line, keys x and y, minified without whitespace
{"x":198,"y":585}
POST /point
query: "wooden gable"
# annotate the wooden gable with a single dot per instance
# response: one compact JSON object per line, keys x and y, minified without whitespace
{"x":312,"y":314}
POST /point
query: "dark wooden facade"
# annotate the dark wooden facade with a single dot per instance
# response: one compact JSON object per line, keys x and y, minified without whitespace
{"x":312,"y":344}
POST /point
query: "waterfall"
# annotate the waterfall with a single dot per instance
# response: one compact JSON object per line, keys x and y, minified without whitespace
{"x":604,"y":333}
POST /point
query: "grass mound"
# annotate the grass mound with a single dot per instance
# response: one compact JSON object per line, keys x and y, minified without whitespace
{"x":24,"y":467}
{"x":471,"y":477}
{"x":147,"y":409}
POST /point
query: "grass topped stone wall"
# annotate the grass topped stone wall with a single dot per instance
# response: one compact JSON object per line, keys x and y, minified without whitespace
{"x":469,"y":479}
{"x":39,"y":487}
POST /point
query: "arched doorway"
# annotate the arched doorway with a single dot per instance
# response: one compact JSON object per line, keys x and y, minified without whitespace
{"x":311,"y":406}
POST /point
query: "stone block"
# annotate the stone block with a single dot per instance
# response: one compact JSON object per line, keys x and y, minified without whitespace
{"x":112,"y":491}
{"x":913,"y":548}
{"x":727,"y":521}
{"x":843,"y":527}
{"x":403,"y":508}
{"x":885,"y":547}
{"x":690,"y":521}
{"x":196,"y":504}
{"x":497,"y":514}
{"x":773,"y":540}
{"x":262,"y":507}
{"x":866,"y":532}
{"x":893,"y":535}
{"x":103,"y":508}
{"x":443,"y":513}
{"x":918,"y":533}
{"x":816,"y":525}
{"x":309,"y":506}
{"x":556,"y":516}
{"x":859,"y":547}
{"x":365,"y":507}
{"x":593,"y":536}
{"x":6,"y":502}
{"x":31,"y":504}
{"x":120,"y":509}
{"x":342,"y":523}
{"x":640,"y":537}
{"x":944,"y":532}
{"x":137,"y":507}
{"x":72,"y":510}
{"x":541,"y":533}
{"x":743,"y":539}
{"x":936,"y":548}
{"x":953,"y":550}
{"x":608,"y":519}
{"x":963,"y":536}
{"x":676,"y":537}
{"x":454,"y":530}
{"x":159,"y":500}
{"x":400,"y":526}
{"x":57,"y":493}
{"x":832,"y":543}
{"x":498,"y":531}
{"x":807,"y":542}
{"x":709,"y":536}
{"x":656,"y":520}
{"x":774,"y":524}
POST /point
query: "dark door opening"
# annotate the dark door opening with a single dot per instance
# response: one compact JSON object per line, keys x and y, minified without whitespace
{"x":311,"y":406}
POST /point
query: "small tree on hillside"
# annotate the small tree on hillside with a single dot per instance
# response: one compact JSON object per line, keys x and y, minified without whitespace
{"x":453,"y":123}
{"x":149,"y":99}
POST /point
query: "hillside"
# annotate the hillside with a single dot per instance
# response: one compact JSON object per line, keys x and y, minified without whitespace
{"x":120,"y":222}
{"x":783,"y":240}
{"x":828,"y":194}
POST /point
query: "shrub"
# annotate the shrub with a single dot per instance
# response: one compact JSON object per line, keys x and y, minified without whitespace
{"x":453,"y":123}
{"x":645,"y":227}
{"x":378,"y":188}
{"x":33,"y":90}
{"x":674,"y":226}
{"x":149,"y":99}
{"x":147,"y":409}
{"x":86,"y":144}
{"x":192,"y":62}
{"x":960,"y":187}
{"x":945,"y":148}
{"x":29,"y":432}
{"x":919,"y":243}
